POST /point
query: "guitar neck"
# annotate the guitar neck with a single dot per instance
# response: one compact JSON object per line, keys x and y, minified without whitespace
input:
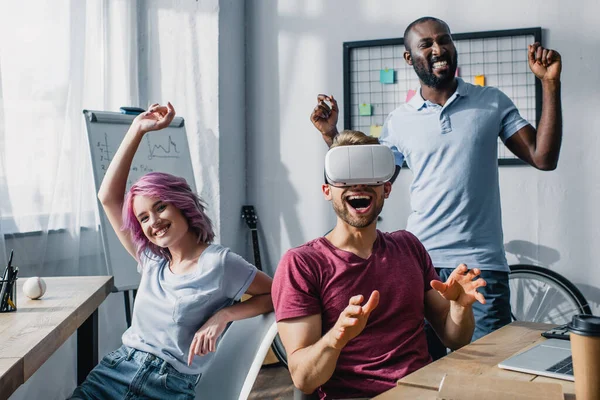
{"x":256,"y":249}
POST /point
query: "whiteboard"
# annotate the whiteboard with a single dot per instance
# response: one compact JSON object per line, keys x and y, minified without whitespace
{"x":166,"y":150}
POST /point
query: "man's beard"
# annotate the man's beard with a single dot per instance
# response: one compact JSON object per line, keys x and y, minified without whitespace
{"x":425,"y":72}
{"x":361,"y":221}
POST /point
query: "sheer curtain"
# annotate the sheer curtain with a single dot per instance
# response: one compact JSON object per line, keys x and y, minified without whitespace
{"x":56,"y":59}
{"x":69,"y":56}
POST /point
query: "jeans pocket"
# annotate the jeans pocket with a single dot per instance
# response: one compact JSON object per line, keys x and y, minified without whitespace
{"x":114,"y":358}
{"x":179,"y":385}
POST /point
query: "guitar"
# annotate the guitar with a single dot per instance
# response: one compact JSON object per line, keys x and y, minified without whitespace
{"x":249,"y":215}
{"x":277,"y":353}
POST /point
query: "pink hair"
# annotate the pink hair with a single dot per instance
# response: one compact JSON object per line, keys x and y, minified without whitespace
{"x":173,"y":190}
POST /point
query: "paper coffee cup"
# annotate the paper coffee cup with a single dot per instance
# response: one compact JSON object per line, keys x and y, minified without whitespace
{"x":585,"y":349}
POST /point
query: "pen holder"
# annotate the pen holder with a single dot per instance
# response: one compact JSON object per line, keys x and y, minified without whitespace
{"x":9,"y":301}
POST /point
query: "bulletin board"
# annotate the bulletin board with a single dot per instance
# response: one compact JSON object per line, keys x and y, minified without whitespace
{"x":377,"y":79}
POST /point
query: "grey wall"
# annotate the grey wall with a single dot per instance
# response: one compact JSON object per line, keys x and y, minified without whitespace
{"x":294,"y":52}
{"x":232,"y":124}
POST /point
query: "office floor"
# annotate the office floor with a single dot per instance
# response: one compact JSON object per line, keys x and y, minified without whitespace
{"x":273,"y":383}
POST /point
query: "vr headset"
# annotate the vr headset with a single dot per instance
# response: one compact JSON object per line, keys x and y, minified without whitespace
{"x":371,"y":164}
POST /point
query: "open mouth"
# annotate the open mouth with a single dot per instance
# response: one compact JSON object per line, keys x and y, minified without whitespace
{"x":440,"y":65}
{"x":361,"y":203}
{"x":162,"y":231}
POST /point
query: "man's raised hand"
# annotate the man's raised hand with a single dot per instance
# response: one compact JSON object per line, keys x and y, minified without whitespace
{"x":352,"y":320}
{"x":546,"y":64}
{"x":324,"y":117}
{"x":461,"y":286}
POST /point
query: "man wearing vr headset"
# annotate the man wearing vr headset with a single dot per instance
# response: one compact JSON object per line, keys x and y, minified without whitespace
{"x":447,"y":134}
{"x":337,"y":342}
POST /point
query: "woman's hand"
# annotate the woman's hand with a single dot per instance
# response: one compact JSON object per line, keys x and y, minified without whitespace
{"x":205,"y":339}
{"x":155,"y":118}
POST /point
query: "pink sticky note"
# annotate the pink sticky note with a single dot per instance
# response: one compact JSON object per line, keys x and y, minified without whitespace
{"x":456,"y":73}
{"x":410,"y":94}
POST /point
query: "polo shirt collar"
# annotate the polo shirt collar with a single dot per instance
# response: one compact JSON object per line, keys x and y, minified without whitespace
{"x":418,"y":102}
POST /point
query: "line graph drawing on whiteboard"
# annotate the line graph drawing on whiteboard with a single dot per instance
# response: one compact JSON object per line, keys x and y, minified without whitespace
{"x":170,"y":151}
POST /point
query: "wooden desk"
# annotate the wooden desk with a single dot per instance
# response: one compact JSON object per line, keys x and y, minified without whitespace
{"x":30,"y":335}
{"x":478,"y":358}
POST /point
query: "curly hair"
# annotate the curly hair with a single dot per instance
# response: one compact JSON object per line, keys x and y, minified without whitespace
{"x":173,"y":190}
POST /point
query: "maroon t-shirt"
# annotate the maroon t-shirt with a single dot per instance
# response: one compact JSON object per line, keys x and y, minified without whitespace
{"x":318,"y":278}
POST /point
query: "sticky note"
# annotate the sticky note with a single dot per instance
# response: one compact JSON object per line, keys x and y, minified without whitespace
{"x":480,"y":80}
{"x":386,"y":76}
{"x":456,"y":73}
{"x":364,"y":109}
{"x":375,"y":130}
{"x":410,"y":94}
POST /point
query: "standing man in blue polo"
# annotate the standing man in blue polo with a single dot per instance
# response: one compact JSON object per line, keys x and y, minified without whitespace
{"x":447,"y":134}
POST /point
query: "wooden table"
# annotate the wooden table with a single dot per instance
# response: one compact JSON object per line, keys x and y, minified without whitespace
{"x":478,"y":358}
{"x":30,"y":335}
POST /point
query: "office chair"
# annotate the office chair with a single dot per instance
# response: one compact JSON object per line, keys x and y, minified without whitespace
{"x":237,"y":361}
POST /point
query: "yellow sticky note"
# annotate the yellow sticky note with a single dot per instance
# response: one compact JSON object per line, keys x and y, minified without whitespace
{"x":376,"y":130}
{"x":480,"y":80}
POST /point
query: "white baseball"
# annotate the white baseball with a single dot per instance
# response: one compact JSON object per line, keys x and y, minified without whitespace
{"x":34,"y":287}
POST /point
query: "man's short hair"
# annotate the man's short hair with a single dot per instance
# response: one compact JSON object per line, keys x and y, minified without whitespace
{"x":417,"y":22}
{"x":350,"y":138}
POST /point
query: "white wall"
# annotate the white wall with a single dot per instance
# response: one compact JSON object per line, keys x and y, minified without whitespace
{"x":294,"y":52}
{"x":192,"y":55}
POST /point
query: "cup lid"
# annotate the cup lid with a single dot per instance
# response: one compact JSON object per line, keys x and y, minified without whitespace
{"x":585,"y":325}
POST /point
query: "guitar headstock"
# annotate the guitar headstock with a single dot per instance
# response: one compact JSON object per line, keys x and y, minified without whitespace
{"x":249,"y":215}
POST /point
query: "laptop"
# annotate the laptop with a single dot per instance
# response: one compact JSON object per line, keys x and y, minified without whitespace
{"x":550,"y":358}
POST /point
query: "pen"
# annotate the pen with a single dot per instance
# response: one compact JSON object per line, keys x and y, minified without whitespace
{"x":5,"y":282}
{"x":10,"y":258}
{"x":12,"y":280}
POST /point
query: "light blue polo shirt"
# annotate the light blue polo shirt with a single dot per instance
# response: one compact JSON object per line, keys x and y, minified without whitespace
{"x":453,"y":153}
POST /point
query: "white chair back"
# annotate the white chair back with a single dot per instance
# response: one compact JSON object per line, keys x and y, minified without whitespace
{"x":238,"y":359}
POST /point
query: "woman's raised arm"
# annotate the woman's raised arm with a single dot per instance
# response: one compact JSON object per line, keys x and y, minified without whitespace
{"x":112,"y":190}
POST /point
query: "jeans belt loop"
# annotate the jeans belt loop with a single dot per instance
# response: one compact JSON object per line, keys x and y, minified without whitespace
{"x":130,"y":352}
{"x":163,"y":368}
{"x":198,"y":379}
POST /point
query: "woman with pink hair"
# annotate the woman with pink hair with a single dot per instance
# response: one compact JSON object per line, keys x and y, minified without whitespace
{"x":188,"y":287}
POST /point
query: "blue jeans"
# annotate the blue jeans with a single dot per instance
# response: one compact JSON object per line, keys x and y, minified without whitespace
{"x":127,"y":373}
{"x":495,"y":313}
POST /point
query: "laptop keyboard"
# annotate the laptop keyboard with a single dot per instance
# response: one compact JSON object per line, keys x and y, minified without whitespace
{"x":563,"y":367}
